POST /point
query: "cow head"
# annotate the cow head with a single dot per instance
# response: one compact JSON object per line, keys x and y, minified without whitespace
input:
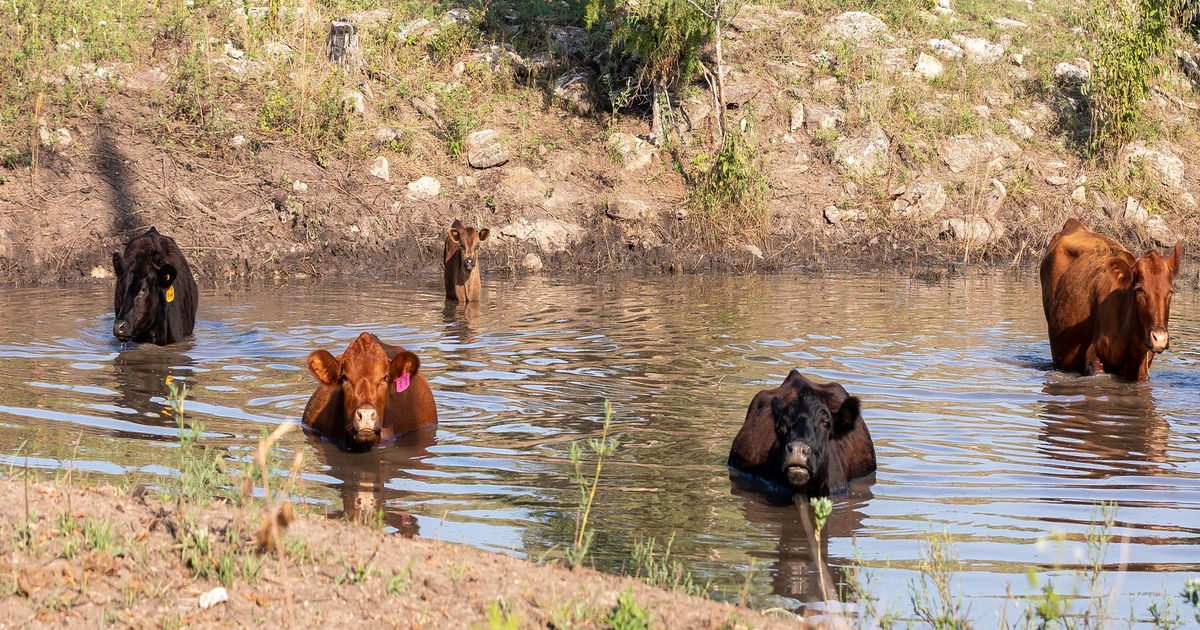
{"x":804,"y":427}
{"x":144,"y":281}
{"x":365,"y":376}
{"x":468,"y":240}
{"x":1150,"y":278}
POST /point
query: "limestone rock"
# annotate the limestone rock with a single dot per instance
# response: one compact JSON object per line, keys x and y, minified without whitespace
{"x":995,"y":198}
{"x":858,"y":26}
{"x":837,"y":216}
{"x":574,"y":88}
{"x":522,"y":187}
{"x":1070,"y":74}
{"x":928,"y":66}
{"x":355,"y":101}
{"x":694,"y":112}
{"x":1135,"y":212}
{"x":975,"y":231}
{"x":863,"y":156}
{"x":1020,"y":129}
{"x":1161,"y":159}
{"x":531,"y":263}
{"x":425,"y":188}
{"x":980,"y":50}
{"x":379,"y":168}
{"x":385,"y":134}
{"x":568,"y":39}
{"x":922,"y":200}
{"x":631,"y":151}
{"x":1006,"y":24}
{"x":237,"y":141}
{"x":947,"y":49}
{"x":299,"y":186}
{"x":1057,"y":180}
{"x":628,"y":207}
{"x":1159,"y":232}
{"x":817,"y":117}
{"x":753,"y":250}
{"x":485,"y":150}
{"x":796,"y":117}
{"x":551,"y":235}
{"x":1079,"y":195}
{"x":148,"y":79}
{"x":963,"y":152}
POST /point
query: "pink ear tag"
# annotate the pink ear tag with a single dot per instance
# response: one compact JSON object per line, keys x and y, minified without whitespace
{"x":402,"y":383}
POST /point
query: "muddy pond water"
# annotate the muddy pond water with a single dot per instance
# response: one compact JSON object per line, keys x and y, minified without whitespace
{"x":976,"y":435}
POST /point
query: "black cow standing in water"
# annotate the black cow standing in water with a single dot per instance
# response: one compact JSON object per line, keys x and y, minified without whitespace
{"x":156,"y":296}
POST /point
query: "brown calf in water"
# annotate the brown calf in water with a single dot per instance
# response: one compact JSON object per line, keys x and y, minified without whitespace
{"x":462,"y":270}
{"x":809,"y":438}
{"x":369,"y":394}
{"x":1105,"y":310}
{"x":156,"y":297}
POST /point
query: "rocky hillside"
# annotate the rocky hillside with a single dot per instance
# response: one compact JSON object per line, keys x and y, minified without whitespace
{"x":910,"y":135}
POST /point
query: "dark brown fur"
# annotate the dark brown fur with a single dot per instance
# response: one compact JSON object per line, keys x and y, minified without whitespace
{"x":461,"y":269}
{"x":757,"y":450}
{"x":151,"y":269}
{"x":367,"y":364}
{"x":1105,"y":310}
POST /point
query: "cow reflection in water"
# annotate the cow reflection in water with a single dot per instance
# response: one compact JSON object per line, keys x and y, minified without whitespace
{"x":364,"y":477}
{"x":141,"y":374}
{"x":1103,"y":427}
{"x":794,"y":570}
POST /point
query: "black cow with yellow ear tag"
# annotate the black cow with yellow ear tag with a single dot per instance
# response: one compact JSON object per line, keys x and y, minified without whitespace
{"x":156,"y":296}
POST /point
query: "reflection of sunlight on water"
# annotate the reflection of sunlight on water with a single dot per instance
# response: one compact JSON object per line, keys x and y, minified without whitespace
{"x":974,"y":432}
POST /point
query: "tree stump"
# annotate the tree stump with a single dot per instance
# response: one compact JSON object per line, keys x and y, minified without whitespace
{"x":342,"y":45}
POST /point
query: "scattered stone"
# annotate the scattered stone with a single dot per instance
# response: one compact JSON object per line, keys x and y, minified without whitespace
{"x":63,"y":138}
{"x":1081,"y":180}
{"x":531,"y":263}
{"x":975,"y":231}
{"x":627,"y":207}
{"x":947,"y":49}
{"x":928,"y":66}
{"x":573,"y":87}
{"x":796,"y":117}
{"x":101,"y":273}
{"x":982,"y":111}
{"x":466,"y":181}
{"x":187,"y":199}
{"x":631,"y":151}
{"x":457,"y":15}
{"x":980,"y":50}
{"x":459,"y":68}
{"x":896,"y":59}
{"x":1056,"y":165}
{"x":354,"y":99}
{"x":753,"y":250}
{"x":485,"y":150}
{"x":385,"y":134}
{"x":817,"y":117}
{"x":551,"y":235}
{"x":428,"y":107}
{"x":863,"y":156}
{"x":413,"y":29}
{"x":277,"y":49}
{"x":1159,"y":232}
{"x":1005,"y":24}
{"x":522,"y":187}
{"x":379,"y":168}
{"x":213,"y":597}
{"x":237,"y":141}
{"x":299,"y":186}
{"x":922,"y":200}
{"x":425,"y":188}
{"x":1135,"y":212}
{"x":694,"y":112}
{"x":148,"y":79}
{"x":1160,"y":159}
{"x":1057,"y":180}
{"x":680,"y":213}
{"x":787,"y":72}
{"x":234,"y":52}
{"x":1188,"y":200}
{"x":1020,"y":129}
{"x":568,"y":39}
{"x":1018,"y":59}
{"x":857,"y":26}
{"x":1079,"y":195}
{"x":837,"y":216}
{"x":963,"y":152}
{"x":370,"y":18}
{"x":995,"y":198}
{"x":1070,"y":74}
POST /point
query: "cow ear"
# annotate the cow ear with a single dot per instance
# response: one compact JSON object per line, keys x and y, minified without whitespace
{"x":484,"y":234}
{"x":166,"y":275}
{"x":1174,"y":259}
{"x":118,"y":265}
{"x":323,"y":366}
{"x":1120,"y":271}
{"x":454,"y":235}
{"x":779,"y":412}
{"x":846,"y":417}
{"x":404,"y":363}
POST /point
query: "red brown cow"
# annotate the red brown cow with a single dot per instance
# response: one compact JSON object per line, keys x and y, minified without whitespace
{"x":369,"y":394}
{"x":808,"y":437}
{"x":462,"y":272}
{"x":1106,"y":311}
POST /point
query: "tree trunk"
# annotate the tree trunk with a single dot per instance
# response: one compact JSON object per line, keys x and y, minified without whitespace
{"x":342,"y":45}
{"x":656,"y":132}
{"x":722,"y":121}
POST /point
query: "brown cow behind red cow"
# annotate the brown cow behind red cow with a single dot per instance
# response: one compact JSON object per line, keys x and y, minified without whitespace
{"x":459,"y":257}
{"x":1105,"y":310}
{"x":369,"y":394}
{"x":156,"y":297}
{"x":808,"y":437}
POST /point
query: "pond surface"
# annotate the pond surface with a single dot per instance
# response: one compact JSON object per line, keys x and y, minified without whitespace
{"x":976,"y":435}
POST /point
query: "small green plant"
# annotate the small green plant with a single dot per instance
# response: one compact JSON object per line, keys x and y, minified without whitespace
{"x":355,"y":572}
{"x":933,"y":598}
{"x":499,"y":617}
{"x":730,"y":196}
{"x":627,"y":615}
{"x":400,"y":580}
{"x":664,"y":572}
{"x":1165,"y":616}
{"x":98,"y":535}
{"x":456,"y":571}
{"x":1191,"y":595}
{"x":602,"y":448}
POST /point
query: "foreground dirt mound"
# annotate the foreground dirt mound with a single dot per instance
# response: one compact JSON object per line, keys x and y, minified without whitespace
{"x":92,"y":557}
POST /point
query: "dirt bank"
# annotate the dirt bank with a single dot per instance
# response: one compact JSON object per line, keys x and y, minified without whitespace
{"x":89,"y":557}
{"x":876,"y":144}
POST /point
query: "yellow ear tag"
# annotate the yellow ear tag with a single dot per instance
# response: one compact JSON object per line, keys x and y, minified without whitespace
{"x":171,"y":293}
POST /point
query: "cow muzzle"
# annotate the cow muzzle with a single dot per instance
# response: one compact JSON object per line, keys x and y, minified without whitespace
{"x":796,"y":464}
{"x":368,"y":423}
{"x":1159,"y":340}
{"x":122,"y":330}
{"x":469,"y":263}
